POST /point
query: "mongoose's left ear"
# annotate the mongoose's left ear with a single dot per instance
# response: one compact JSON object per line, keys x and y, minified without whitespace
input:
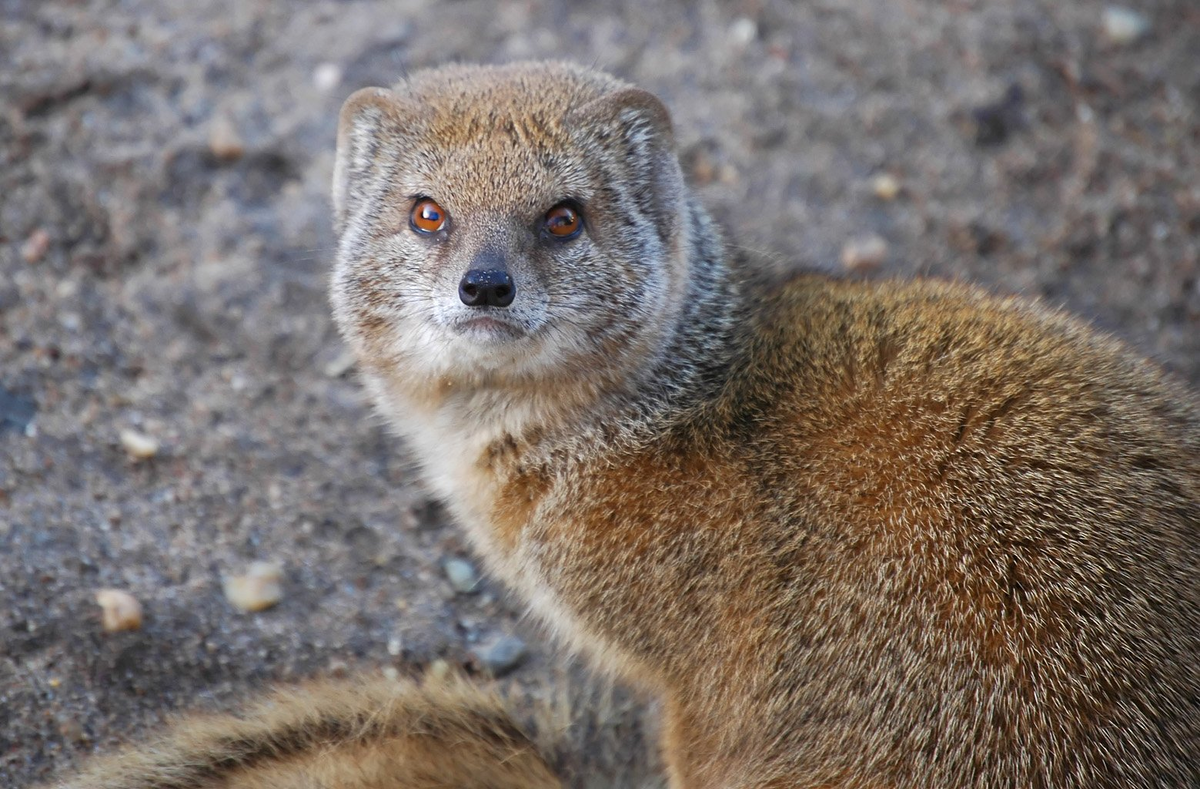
{"x":633,"y":126}
{"x":375,"y":126}
{"x":636,"y":112}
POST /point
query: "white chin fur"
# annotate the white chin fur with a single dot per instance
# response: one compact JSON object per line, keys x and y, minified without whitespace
{"x":470,"y":352}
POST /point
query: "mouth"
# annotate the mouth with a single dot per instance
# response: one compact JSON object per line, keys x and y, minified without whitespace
{"x":488,"y":327}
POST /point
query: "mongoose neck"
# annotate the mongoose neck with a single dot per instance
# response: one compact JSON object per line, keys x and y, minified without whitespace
{"x":696,"y":359}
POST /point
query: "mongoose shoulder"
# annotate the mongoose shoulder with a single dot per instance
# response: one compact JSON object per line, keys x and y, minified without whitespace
{"x":852,"y":534}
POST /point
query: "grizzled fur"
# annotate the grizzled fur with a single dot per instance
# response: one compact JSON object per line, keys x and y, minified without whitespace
{"x":852,"y":534}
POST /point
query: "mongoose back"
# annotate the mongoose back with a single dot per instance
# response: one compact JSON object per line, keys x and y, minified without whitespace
{"x":851,"y":534}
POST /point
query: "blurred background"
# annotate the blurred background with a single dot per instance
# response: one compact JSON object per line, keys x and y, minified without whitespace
{"x":175,"y":405}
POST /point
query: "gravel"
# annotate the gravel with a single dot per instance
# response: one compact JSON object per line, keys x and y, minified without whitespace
{"x":461,"y":575}
{"x":502,"y":655}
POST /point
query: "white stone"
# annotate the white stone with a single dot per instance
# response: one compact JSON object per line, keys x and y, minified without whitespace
{"x":139,"y":445}
{"x":327,"y":76}
{"x":258,"y":589}
{"x":118,"y":610}
{"x":1124,"y":25}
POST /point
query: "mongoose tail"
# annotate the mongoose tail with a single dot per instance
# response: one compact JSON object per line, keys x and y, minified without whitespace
{"x":353,"y":734}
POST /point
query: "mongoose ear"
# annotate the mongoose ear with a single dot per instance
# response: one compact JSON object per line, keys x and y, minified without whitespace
{"x":634,"y":125}
{"x":631,"y":110}
{"x":641,"y":120}
{"x":372,"y":127}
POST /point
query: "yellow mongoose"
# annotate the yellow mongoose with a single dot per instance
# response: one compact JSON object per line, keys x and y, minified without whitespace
{"x":850,"y":534}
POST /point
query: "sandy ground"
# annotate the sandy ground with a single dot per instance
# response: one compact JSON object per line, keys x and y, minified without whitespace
{"x":165,"y":241}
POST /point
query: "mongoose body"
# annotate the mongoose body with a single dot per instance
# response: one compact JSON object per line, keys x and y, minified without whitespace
{"x":852,"y":534}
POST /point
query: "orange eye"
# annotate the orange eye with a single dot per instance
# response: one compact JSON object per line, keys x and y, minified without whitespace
{"x":563,"y":221}
{"x":427,"y":216}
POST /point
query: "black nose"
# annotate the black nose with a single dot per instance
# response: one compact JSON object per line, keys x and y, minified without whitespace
{"x":492,"y":287}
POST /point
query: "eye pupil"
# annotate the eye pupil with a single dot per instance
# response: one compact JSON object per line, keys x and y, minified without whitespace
{"x":427,"y":216}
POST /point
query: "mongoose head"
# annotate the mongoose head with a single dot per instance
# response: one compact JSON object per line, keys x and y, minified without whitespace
{"x":516,"y":226}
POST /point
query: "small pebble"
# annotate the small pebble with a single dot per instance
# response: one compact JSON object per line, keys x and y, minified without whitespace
{"x":391,"y":673}
{"x":864,"y":254}
{"x":1124,"y":25}
{"x":439,"y":669}
{"x":139,"y":445}
{"x":259,"y":589}
{"x":36,"y":246}
{"x":502,"y":655}
{"x":743,"y":31}
{"x":462,"y":575}
{"x":118,"y":610}
{"x":327,"y":76}
{"x":993,"y":123}
{"x":338,"y":668}
{"x":16,"y":411}
{"x":343,"y":364}
{"x":72,"y":730}
{"x":394,"y":646}
{"x":885,"y":186}
{"x":223,"y":140}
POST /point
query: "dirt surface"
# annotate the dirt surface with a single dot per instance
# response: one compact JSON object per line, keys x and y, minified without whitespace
{"x":165,"y":242}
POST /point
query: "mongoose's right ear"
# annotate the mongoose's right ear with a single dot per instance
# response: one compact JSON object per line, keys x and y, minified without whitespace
{"x":372,"y":129}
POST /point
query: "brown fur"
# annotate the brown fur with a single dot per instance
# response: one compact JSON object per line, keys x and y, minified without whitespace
{"x":361,"y":734}
{"x":852,"y":534}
